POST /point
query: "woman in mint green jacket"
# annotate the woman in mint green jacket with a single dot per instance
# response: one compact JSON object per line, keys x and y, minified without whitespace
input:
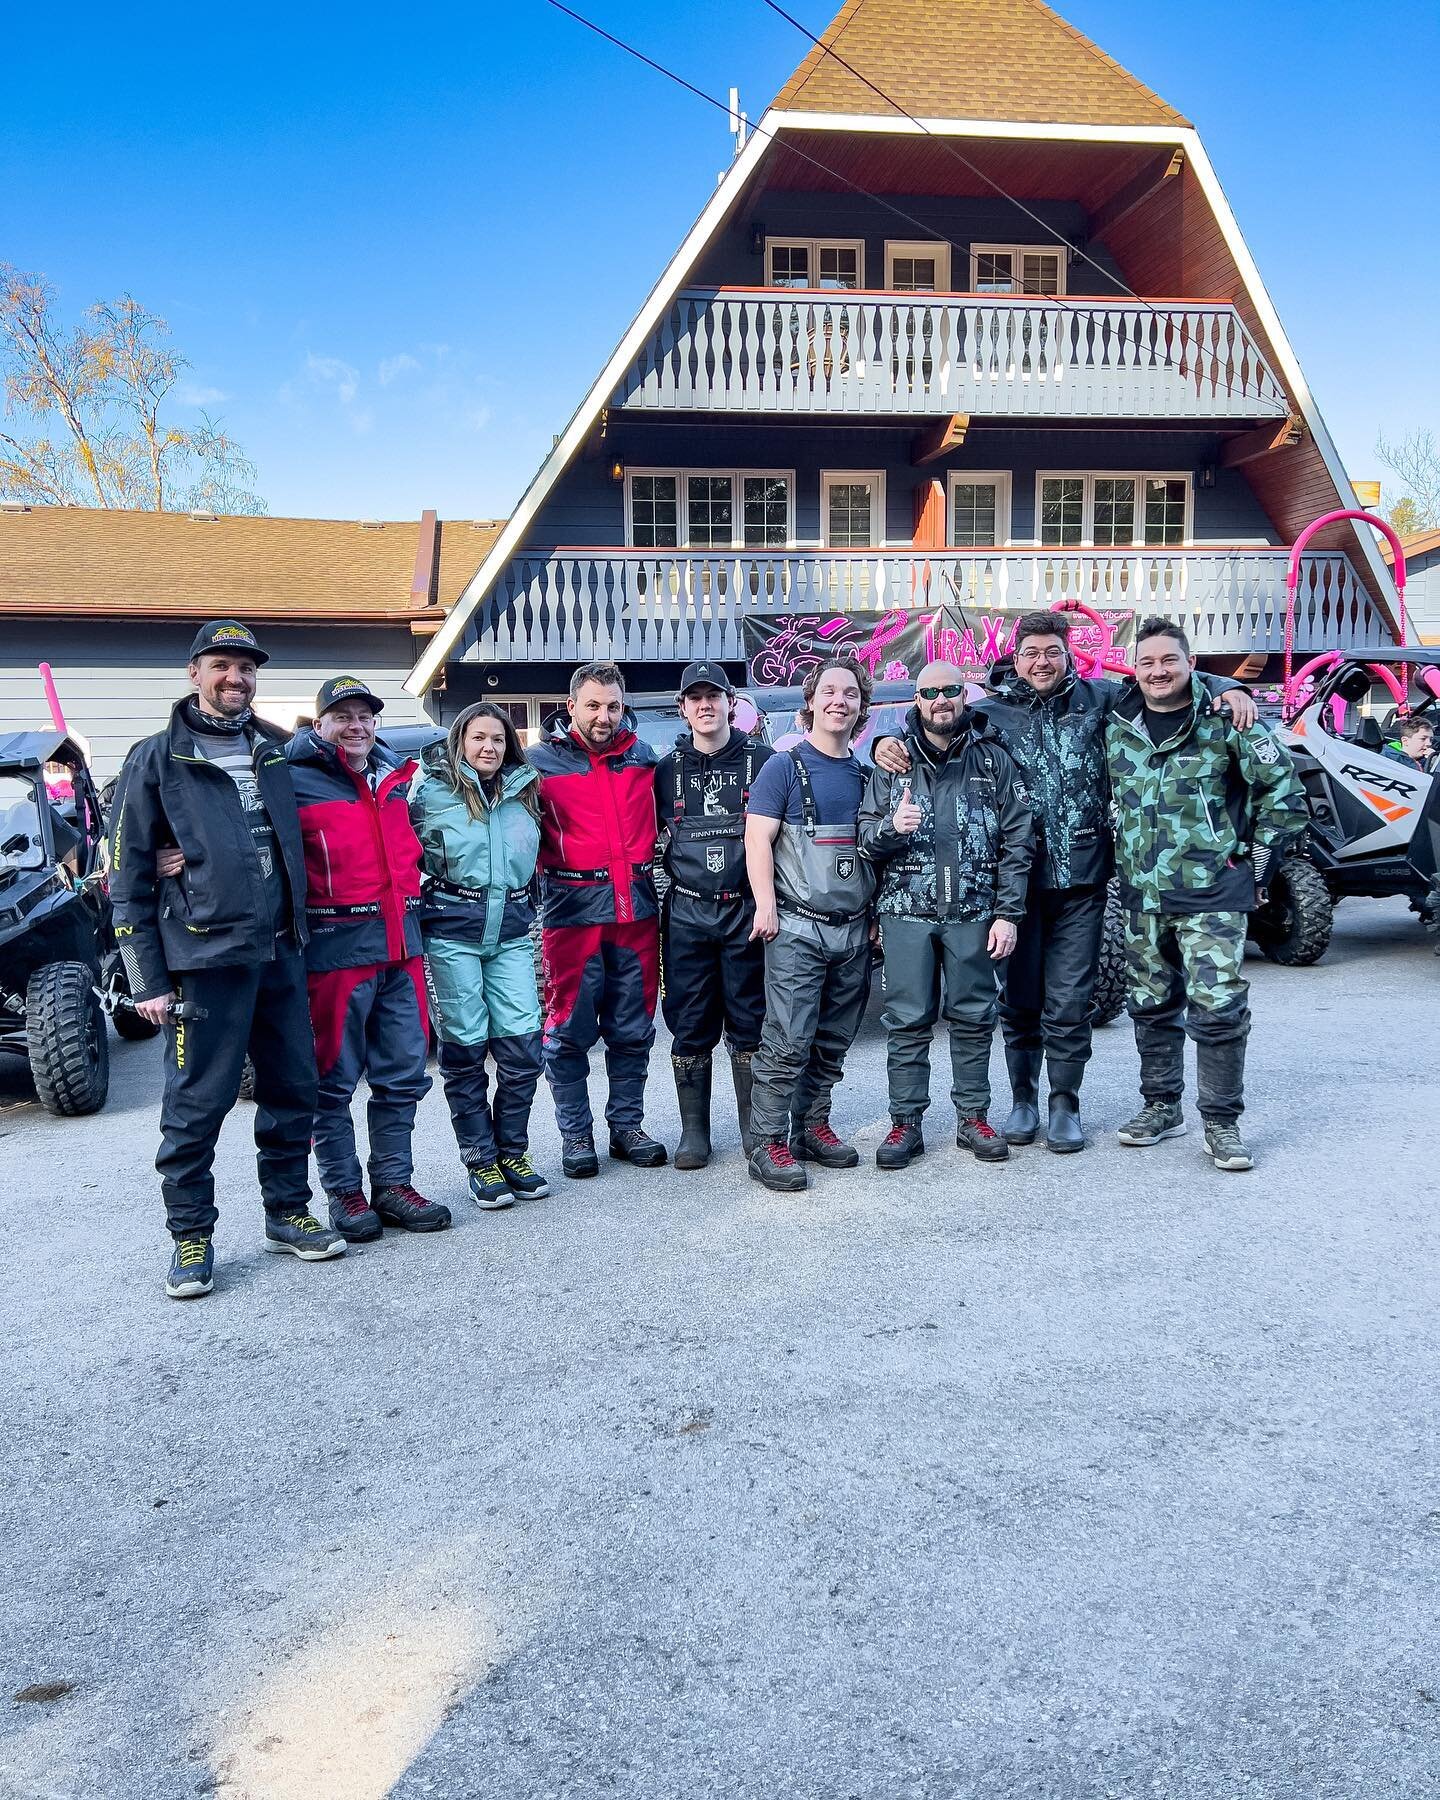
{"x":475,"y":810}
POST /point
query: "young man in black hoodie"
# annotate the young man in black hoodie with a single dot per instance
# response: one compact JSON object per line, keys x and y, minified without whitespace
{"x":224,"y":935}
{"x":714,"y":971}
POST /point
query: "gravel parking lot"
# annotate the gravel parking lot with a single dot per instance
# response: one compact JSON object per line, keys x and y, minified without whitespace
{"x":1098,"y":1475}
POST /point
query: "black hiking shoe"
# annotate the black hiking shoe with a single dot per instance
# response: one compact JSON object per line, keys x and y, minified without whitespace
{"x":302,"y":1234}
{"x":351,"y":1215}
{"x":192,"y":1268}
{"x":815,"y":1142}
{"x":1156,"y":1120}
{"x":578,"y":1161}
{"x":980,"y":1136}
{"x":399,"y":1205}
{"x":488,"y":1187}
{"x":522,"y":1177}
{"x":1224,"y":1143}
{"x":901,"y":1146}
{"x":638,"y":1147}
{"x":773,"y":1164}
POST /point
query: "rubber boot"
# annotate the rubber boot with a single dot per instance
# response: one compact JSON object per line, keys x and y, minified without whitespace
{"x":744,"y":1078}
{"x":1063,"y":1133}
{"x":1024,"y":1121}
{"x":692,"y":1089}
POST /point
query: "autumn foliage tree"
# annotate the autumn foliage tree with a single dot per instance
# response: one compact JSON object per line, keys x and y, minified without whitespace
{"x":87,"y":412}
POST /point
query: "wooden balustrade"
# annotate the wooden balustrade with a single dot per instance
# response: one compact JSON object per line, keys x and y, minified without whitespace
{"x":934,"y":354}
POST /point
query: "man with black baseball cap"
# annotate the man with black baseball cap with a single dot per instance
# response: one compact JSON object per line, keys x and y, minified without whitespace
{"x":364,"y":968}
{"x":207,"y":879}
{"x":714,"y":973}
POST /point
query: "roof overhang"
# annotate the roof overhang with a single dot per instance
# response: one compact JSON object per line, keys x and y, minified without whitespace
{"x":733,"y":183}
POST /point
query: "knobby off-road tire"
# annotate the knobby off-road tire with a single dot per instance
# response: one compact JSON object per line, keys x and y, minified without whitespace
{"x":68,"y":1044}
{"x":1294,"y":927}
{"x":1109,"y":1000}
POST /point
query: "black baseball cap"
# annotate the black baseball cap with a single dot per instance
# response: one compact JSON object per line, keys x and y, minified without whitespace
{"x":227,"y":634}
{"x":345,"y":687}
{"x":706,"y":674}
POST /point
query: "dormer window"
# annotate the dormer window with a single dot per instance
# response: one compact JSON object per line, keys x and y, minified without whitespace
{"x":1017,"y":269}
{"x":815,"y":262}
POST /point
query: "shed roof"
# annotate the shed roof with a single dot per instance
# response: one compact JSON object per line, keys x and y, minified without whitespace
{"x":969,"y":59}
{"x":91,"y":562}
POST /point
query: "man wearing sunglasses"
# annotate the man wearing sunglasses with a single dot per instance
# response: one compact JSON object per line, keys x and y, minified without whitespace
{"x":1053,"y":723}
{"x":953,"y":840}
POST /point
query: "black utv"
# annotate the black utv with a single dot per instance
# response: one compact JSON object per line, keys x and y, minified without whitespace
{"x":60,"y":973}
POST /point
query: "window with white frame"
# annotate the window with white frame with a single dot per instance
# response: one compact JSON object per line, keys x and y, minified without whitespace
{"x":918,"y":268}
{"x":815,"y":262}
{"x":1017,"y":268}
{"x":979,"y":510}
{"x":1106,"y":509}
{"x":709,"y":509}
{"x":852,"y":509}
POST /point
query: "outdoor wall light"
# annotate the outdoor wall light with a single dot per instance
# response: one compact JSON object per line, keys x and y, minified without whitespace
{"x":757,"y":239}
{"x":617,"y":470}
{"x":1205,"y":475}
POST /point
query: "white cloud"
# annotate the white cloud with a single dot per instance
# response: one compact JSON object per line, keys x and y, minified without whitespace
{"x":190,"y":393}
{"x":330,"y":371}
{"x":393,"y":366}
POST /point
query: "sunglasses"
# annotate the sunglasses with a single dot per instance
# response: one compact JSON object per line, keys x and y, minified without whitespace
{"x":950,"y":692}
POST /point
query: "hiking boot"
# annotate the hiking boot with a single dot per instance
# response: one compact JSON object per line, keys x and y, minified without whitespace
{"x":980,"y":1136}
{"x":351,"y":1215}
{"x":692,"y":1090}
{"x":488,"y":1186}
{"x":1225,"y":1144}
{"x":902,"y":1144}
{"x":521,"y":1176}
{"x":1023,"y":1125}
{"x":578,"y":1161}
{"x":399,"y":1205}
{"x":302,"y":1234}
{"x":1155,"y":1120}
{"x":815,"y":1142}
{"x":638,"y":1147}
{"x":192,"y":1268}
{"x":773,"y":1164}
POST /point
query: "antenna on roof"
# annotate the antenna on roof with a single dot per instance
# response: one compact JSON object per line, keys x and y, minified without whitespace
{"x":739,"y":123}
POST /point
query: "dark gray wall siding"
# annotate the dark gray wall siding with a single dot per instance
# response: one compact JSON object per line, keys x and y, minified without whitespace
{"x":1422,"y":596}
{"x":117,"y":681}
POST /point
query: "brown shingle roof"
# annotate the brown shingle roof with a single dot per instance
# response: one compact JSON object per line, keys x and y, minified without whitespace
{"x":78,"y":560}
{"x":970,"y":59}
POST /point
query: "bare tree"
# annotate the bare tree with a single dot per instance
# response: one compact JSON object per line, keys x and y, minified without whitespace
{"x":1415,"y":460}
{"x":94,"y":399}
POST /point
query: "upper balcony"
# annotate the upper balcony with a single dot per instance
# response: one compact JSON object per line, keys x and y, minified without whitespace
{"x":766,"y":351}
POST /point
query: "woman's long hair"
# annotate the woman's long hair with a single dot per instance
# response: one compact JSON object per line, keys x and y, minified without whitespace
{"x":471,"y":791}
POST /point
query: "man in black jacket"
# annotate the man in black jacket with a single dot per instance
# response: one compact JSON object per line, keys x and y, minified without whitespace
{"x":226,"y":934}
{"x":714,"y":972}
{"x":953,"y":840}
{"x":1053,"y":724}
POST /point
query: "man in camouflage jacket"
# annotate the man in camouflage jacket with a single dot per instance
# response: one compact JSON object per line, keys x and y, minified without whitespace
{"x":1201,"y":810}
{"x":952,"y":841}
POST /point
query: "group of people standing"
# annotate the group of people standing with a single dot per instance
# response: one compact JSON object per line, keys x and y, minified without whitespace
{"x":313,"y":900}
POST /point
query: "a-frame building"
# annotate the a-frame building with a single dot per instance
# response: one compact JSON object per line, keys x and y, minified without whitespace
{"x":968,"y":323}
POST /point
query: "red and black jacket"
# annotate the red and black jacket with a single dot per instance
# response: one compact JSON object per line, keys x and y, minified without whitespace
{"x":597,"y":827}
{"x":362,"y":857}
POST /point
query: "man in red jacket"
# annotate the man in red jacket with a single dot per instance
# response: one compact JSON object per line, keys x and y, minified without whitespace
{"x":601,"y":934}
{"x":363,"y":961}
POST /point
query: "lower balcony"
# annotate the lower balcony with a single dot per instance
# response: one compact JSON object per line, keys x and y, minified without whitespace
{"x":563,"y":606}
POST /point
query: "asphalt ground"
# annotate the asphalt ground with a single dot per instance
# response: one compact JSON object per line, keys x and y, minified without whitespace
{"x":1095,"y":1475}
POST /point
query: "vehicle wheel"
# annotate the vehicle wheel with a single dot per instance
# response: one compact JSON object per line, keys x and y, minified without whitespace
{"x":69,"y":1048}
{"x":247,"y":1080}
{"x":1109,"y":1000}
{"x":1294,"y":926}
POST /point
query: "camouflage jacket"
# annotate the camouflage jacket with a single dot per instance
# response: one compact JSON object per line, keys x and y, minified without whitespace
{"x":1058,"y":740}
{"x":1192,"y":811}
{"x":970,"y":857}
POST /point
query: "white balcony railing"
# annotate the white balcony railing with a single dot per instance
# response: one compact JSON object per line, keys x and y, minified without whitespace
{"x":769,"y":352}
{"x":669,"y":606}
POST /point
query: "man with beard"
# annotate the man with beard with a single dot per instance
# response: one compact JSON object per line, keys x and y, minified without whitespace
{"x":1052,"y":722}
{"x":600,"y":937}
{"x":953,"y":839}
{"x":714,"y":967}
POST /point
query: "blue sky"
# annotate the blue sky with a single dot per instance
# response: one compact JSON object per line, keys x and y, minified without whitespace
{"x":398,"y":245}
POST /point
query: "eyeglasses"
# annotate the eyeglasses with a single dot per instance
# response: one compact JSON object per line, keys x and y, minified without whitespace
{"x":1041,"y":656}
{"x":951,"y":692}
